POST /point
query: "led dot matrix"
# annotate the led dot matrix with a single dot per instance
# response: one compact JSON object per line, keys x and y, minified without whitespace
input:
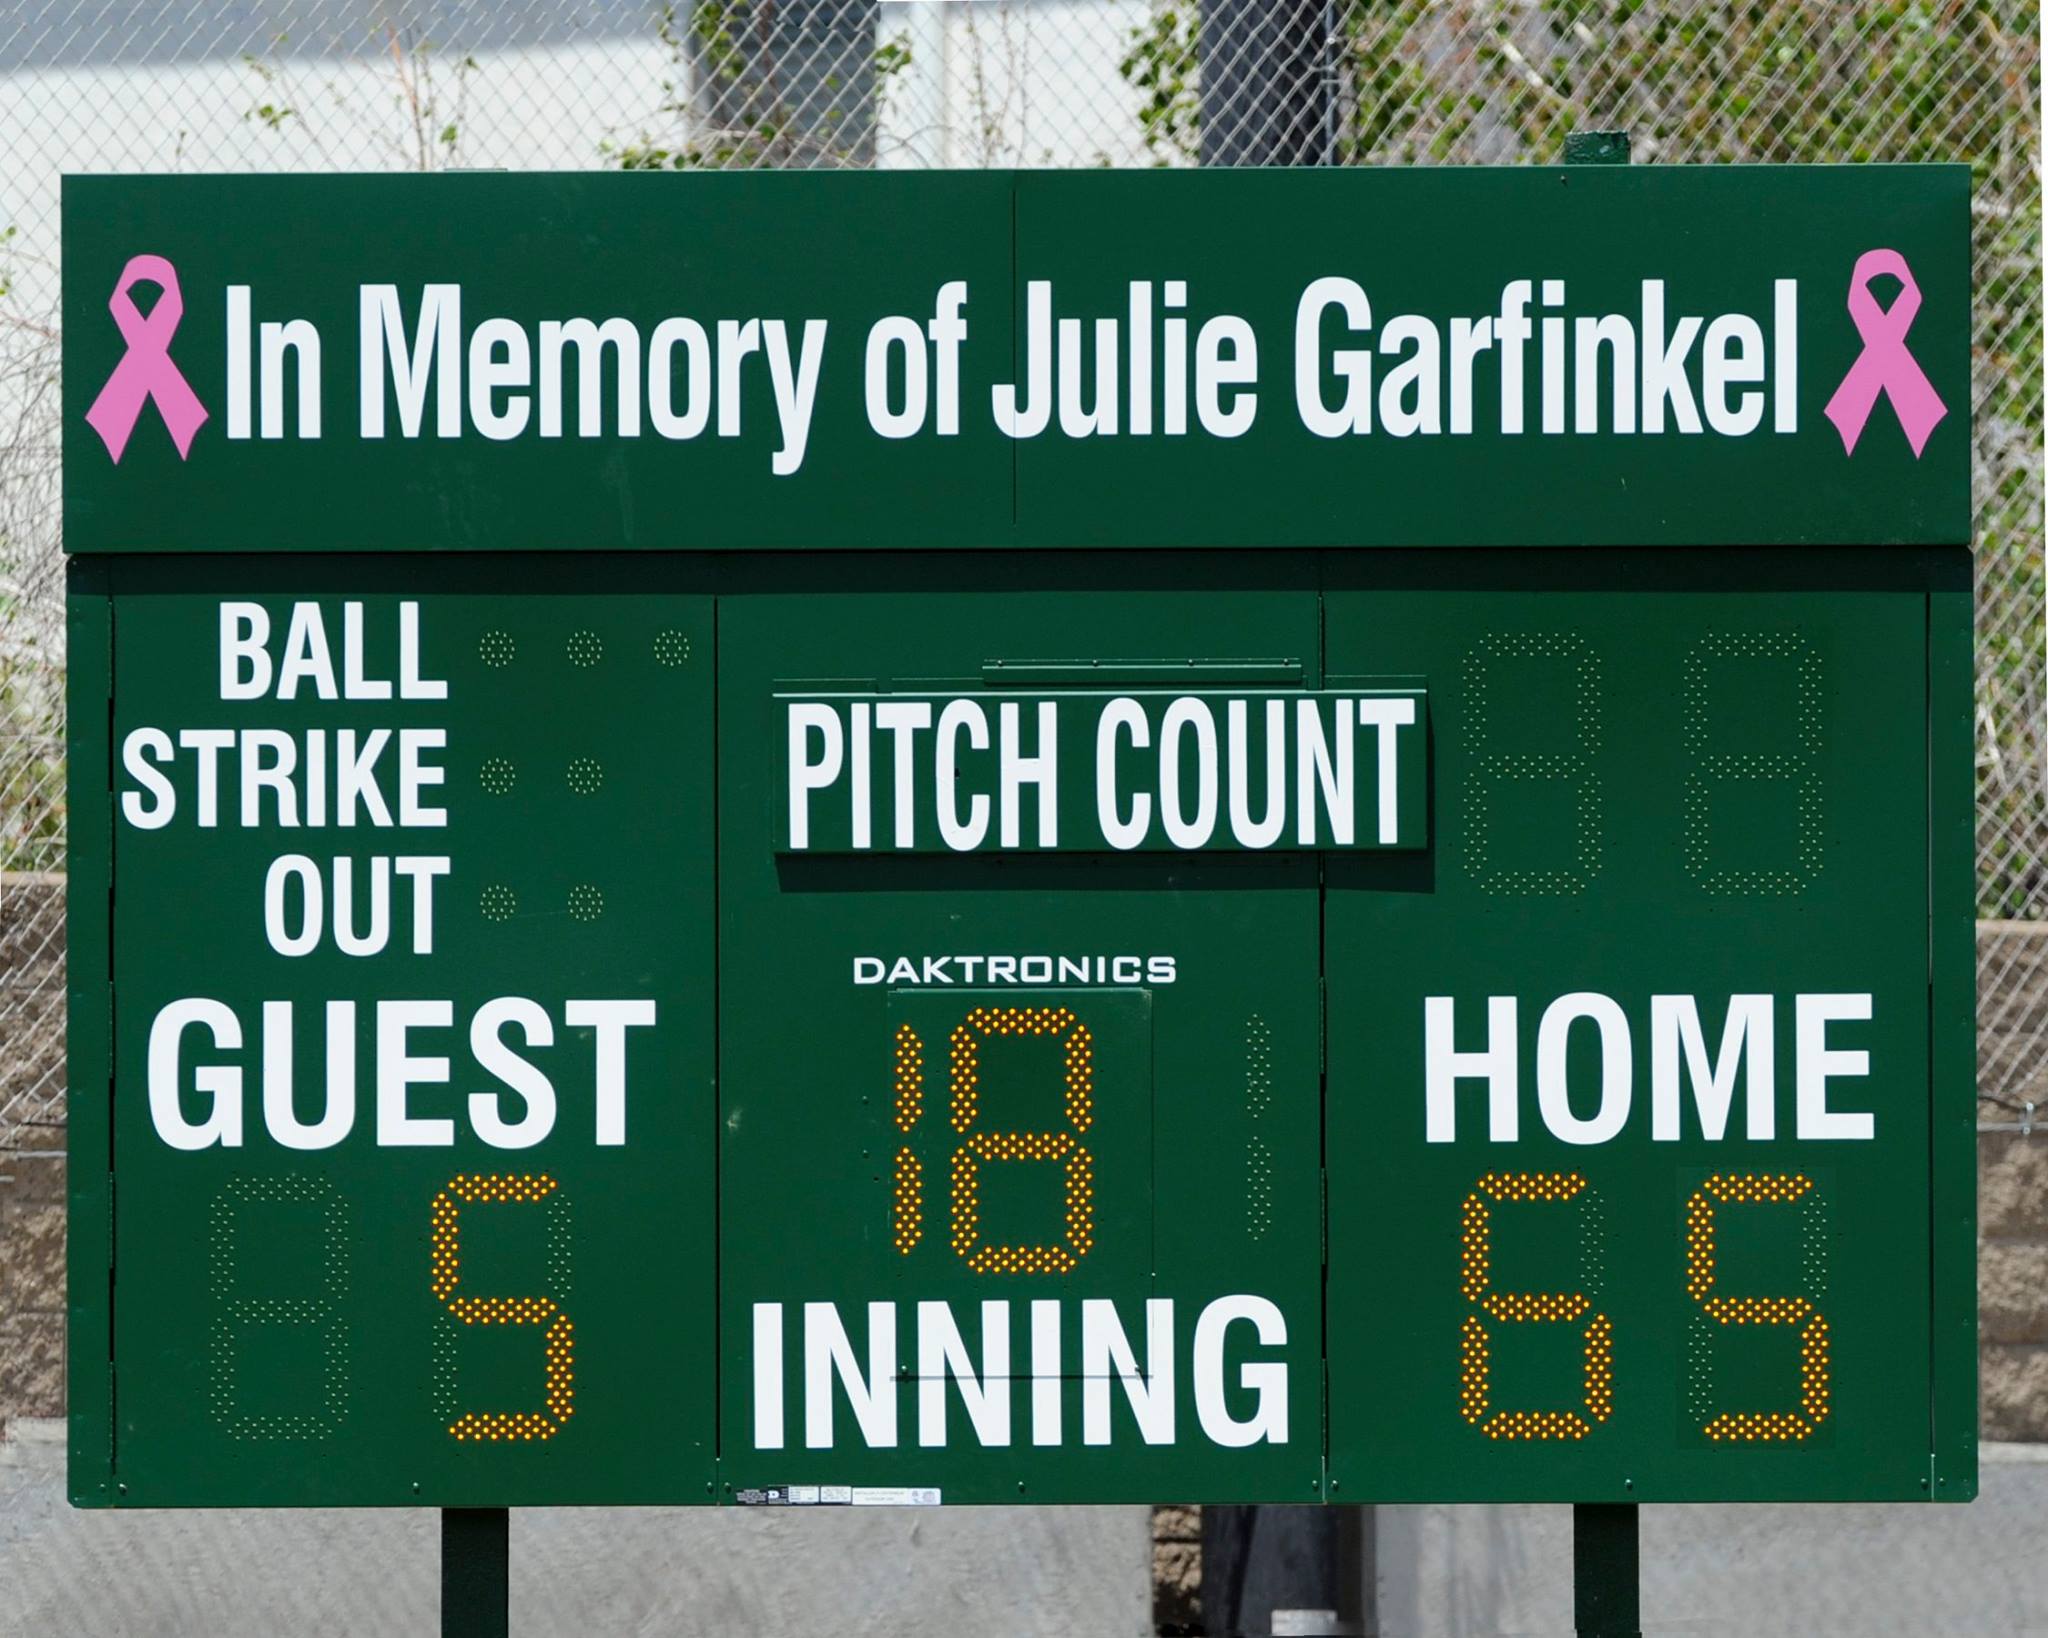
{"x":1258,"y":1154}
{"x":237,"y":1312}
{"x":906,"y":1211}
{"x":559,"y":1347}
{"x":1796,"y":768}
{"x":1492,"y":767}
{"x":1517,"y":1307}
{"x":1701,"y":1210}
{"x":964,"y":1107}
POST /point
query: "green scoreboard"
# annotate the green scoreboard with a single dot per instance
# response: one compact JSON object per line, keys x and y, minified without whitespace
{"x":829,"y":840}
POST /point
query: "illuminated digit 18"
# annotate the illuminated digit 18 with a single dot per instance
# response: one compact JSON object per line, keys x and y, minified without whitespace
{"x":1516,"y":1307}
{"x":1700,"y":1213}
{"x":964,"y":1075}
{"x":559,"y":1343}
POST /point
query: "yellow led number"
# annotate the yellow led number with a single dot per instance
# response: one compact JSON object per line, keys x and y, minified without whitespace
{"x":1716,"y":1310}
{"x":1702,"y":1212}
{"x":978,"y":1148}
{"x":1475,"y":1387}
{"x":558,"y":1343}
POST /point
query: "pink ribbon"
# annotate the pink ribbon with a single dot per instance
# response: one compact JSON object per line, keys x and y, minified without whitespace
{"x":146,"y":372}
{"x":1885,"y":366}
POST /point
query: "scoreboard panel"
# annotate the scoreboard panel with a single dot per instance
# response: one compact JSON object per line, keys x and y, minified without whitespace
{"x":416,"y":1161}
{"x":1648,"y":1082}
{"x":1220,"y":837}
{"x":1041,"y":1121}
{"x":595,"y":1141}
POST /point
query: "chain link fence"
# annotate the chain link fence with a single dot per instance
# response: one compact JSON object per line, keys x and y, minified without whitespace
{"x":247,"y":85}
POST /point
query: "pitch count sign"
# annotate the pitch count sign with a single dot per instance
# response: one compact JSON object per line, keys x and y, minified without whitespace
{"x":1151,"y":849}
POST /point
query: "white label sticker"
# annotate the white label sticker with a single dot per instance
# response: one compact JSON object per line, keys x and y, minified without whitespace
{"x":893,"y":1496}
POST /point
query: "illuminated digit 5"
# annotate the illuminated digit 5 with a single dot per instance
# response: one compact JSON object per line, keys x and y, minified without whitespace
{"x":1514,"y":1307}
{"x":559,"y":1343}
{"x":1700,"y":1280}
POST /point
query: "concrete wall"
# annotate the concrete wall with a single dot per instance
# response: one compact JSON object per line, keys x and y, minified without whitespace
{"x":2012,"y":1181}
{"x":2012,"y":1285}
{"x":1442,"y":1572}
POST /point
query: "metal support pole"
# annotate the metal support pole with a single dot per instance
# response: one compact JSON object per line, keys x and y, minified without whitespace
{"x":1606,"y":1571}
{"x":1358,"y":1600}
{"x":475,"y":1572}
{"x":1287,"y":1569}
